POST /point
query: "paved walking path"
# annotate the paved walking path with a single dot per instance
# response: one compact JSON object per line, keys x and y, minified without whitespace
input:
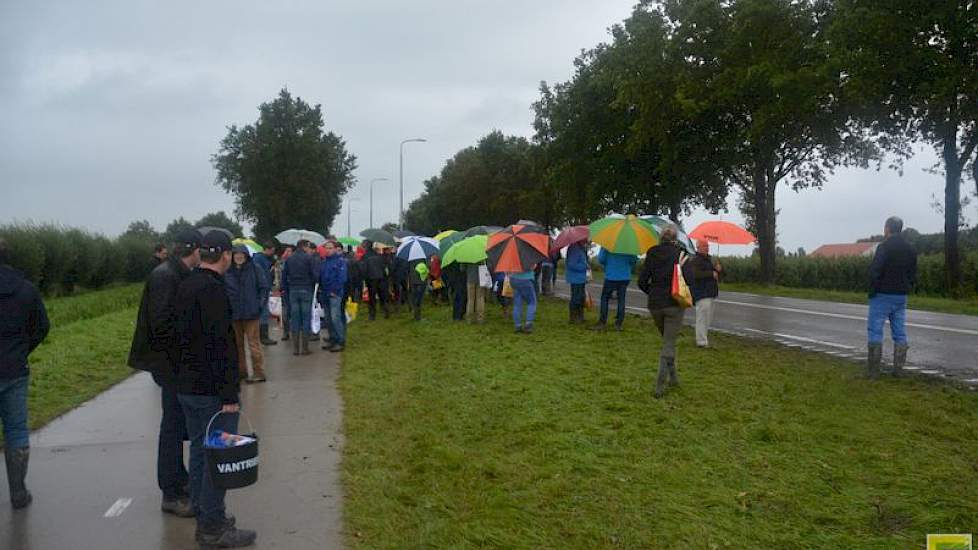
{"x":93,"y":471}
{"x":941,"y":344}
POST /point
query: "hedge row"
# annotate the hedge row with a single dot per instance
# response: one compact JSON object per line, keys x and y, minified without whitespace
{"x":59,"y":259}
{"x":846,"y":273}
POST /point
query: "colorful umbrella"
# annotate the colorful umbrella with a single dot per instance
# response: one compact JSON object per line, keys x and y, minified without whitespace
{"x":624,"y":234}
{"x":446,"y":242}
{"x":417,"y":248}
{"x":517,"y":248}
{"x":250,"y":244}
{"x":378,"y":236}
{"x":659,"y":223}
{"x":293,"y":236}
{"x":569,"y":236}
{"x":470,"y":250}
{"x":349,"y":241}
{"x":722,"y":233}
{"x":444,"y":234}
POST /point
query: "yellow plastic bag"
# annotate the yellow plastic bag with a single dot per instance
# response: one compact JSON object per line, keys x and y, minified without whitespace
{"x":351,"y":310}
{"x":680,"y":290}
{"x":507,"y":288}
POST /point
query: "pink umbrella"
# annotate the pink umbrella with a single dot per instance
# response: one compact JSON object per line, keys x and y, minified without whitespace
{"x":569,"y":236}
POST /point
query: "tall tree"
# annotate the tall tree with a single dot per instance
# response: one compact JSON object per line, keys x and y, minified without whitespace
{"x":285,"y":170}
{"x":220,"y":219}
{"x":175,"y":227}
{"x":141,"y":229}
{"x":913,"y":64}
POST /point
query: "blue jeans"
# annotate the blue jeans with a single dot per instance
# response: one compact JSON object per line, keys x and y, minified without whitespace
{"x":336,"y":319}
{"x":619,"y":288}
{"x":459,"y":302}
{"x":208,"y":501}
{"x":300,"y":310}
{"x":524,"y":292}
{"x":577,"y":296}
{"x":883,"y":307}
{"x":417,"y":298}
{"x":13,"y":411}
{"x":171,"y":475}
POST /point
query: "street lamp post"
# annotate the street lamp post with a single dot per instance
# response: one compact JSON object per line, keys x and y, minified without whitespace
{"x":372,"y":198}
{"x":412,"y":140}
{"x":348,"y":209}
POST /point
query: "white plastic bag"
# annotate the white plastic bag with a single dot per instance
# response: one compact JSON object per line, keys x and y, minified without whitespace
{"x":317,"y":312}
{"x":275,"y":306}
{"x":485,"y":280}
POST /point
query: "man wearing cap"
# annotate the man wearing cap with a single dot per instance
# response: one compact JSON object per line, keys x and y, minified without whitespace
{"x":207,"y":381}
{"x":150,"y":352}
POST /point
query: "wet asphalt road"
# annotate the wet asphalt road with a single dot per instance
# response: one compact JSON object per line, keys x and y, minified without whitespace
{"x":940,"y":344}
{"x":93,"y":471}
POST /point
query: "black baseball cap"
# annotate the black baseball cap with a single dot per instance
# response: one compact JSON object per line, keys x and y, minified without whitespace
{"x":216,"y":241}
{"x":188,"y":238}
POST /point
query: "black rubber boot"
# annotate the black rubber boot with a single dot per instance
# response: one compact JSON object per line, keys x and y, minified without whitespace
{"x":673,"y":374}
{"x":265,"y":339}
{"x":662,"y":379}
{"x":899,"y":358}
{"x":17,"y":460}
{"x":873,"y":360}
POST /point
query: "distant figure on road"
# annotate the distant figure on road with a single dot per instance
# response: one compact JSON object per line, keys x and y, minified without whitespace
{"x":656,"y":281}
{"x":704,"y":288}
{"x":247,"y":288}
{"x":206,"y":362}
{"x":333,"y":277}
{"x":23,"y":326}
{"x":301,"y":273}
{"x":150,"y":351}
{"x":617,"y":275}
{"x":892,"y":275}
{"x":575,"y":273}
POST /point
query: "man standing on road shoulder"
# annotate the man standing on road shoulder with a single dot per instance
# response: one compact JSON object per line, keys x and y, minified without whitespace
{"x":151,"y":343}
{"x":206,"y":362}
{"x":705,"y":288}
{"x":892,"y":275}
{"x":23,"y":326}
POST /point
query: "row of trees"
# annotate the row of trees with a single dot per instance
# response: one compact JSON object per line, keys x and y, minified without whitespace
{"x":692,"y":101}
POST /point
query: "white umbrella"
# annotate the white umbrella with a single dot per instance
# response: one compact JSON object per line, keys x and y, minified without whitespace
{"x":417,"y":248}
{"x":293,"y":236}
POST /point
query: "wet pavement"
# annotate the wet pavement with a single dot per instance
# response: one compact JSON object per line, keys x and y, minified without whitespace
{"x":93,"y":471}
{"x":942,"y":345}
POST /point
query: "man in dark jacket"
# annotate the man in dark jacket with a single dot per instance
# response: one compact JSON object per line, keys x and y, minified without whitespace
{"x":206,"y":361}
{"x":247,"y":288}
{"x":704,"y":274}
{"x":299,"y":280}
{"x":892,"y":275}
{"x":23,"y":326}
{"x":374,"y":269}
{"x":656,"y":281}
{"x":151,"y":344}
{"x":454,"y":279}
{"x":264,"y":261}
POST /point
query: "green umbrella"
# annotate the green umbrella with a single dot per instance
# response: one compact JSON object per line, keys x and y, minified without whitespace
{"x":624,"y":234}
{"x":470,"y":250}
{"x":447,"y":242}
{"x":350,"y":241}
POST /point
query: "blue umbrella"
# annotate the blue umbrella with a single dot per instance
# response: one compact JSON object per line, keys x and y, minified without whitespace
{"x":417,"y":248}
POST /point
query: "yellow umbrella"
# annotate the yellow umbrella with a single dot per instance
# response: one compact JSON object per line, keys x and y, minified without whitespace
{"x":444,"y":234}
{"x":624,"y":234}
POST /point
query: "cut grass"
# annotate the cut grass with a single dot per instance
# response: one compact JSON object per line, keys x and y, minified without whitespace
{"x":962,"y":306}
{"x":89,"y":305}
{"x":462,"y":436}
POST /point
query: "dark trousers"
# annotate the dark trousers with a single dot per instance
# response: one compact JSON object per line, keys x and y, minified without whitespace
{"x":208,"y":501}
{"x":619,"y":289}
{"x":577,"y":296}
{"x":377,"y":291}
{"x":171,"y":475}
{"x":417,"y":298}
{"x":459,"y":302}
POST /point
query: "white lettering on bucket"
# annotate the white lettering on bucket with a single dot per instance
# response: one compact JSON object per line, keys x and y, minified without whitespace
{"x":232,"y":467}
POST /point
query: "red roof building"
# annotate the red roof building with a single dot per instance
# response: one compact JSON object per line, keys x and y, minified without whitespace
{"x":844,"y":250}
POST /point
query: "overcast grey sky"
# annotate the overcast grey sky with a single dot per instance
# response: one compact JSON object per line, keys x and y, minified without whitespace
{"x":111,"y":110}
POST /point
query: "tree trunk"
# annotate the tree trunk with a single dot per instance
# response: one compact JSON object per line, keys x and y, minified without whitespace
{"x":764,"y":219}
{"x":952,"y":211}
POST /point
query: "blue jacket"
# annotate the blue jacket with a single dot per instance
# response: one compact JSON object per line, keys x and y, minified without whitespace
{"x":247,"y":289}
{"x":301,"y":271}
{"x":264,"y":264}
{"x":23,"y":322}
{"x":617,"y":267}
{"x":332,"y":275}
{"x":575,"y":270}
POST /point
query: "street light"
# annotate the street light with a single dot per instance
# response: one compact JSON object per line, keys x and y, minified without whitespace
{"x":372,"y":198}
{"x":348,"y":201}
{"x":412,"y":140}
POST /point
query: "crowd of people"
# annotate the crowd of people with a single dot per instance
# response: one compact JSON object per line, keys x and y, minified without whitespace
{"x":207,"y":300}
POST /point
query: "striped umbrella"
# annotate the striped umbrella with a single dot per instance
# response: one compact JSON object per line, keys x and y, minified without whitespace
{"x":417,"y":248}
{"x":517,"y":248}
{"x":624,"y":234}
{"x":250,"y":244}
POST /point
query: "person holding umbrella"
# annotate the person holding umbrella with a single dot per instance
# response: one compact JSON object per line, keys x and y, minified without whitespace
{"x":374,"y":272}
{"x":575,"y":274}
{"x":617,"y":274}
{"x":518,"y":250}
{"x":622,"y":239}
{"x":656,"y":281}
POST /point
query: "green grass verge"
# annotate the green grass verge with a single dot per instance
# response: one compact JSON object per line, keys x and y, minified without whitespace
{"x":962,"y":306}
{"x":90,"y":305}
{"x":463,"y":436}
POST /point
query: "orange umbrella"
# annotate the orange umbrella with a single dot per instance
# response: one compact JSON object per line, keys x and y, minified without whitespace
{"x":517,"y":248}
{"x":722,"y":233}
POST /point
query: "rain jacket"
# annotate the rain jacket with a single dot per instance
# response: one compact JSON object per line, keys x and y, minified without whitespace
{"x":617,"y":267}
{"x":153,"y":336}
{"x":333,"y":275}
{"x":413,"y":277}
{"x":374,"y":267}
{"x":700,"y":270}
{"x":23,"y":322}
{"x":656,"y":277}
{"x":894,"y":267}
{"x":204,"y":353}
{"x":247,"y":288}
{"x":301,"y":271}
{"x":575,"y":270}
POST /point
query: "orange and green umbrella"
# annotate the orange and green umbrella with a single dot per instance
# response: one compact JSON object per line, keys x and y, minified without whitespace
{"x":624,"y":234}
{"x":517,"y":248}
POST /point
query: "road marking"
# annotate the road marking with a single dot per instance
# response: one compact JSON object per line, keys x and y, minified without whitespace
{"x":118,"y":508}
{"x":801,"y":339}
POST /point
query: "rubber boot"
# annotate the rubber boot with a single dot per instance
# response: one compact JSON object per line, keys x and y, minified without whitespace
{"x":662,"y":379}
{"x":17,"y":460}
{"x":304,"y":343}
{"x":673,"y":374}
{"x":265,"y":339}
{"x":295,"y":343}
{"x":873,"y":360}
{"x":899,"y":358}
